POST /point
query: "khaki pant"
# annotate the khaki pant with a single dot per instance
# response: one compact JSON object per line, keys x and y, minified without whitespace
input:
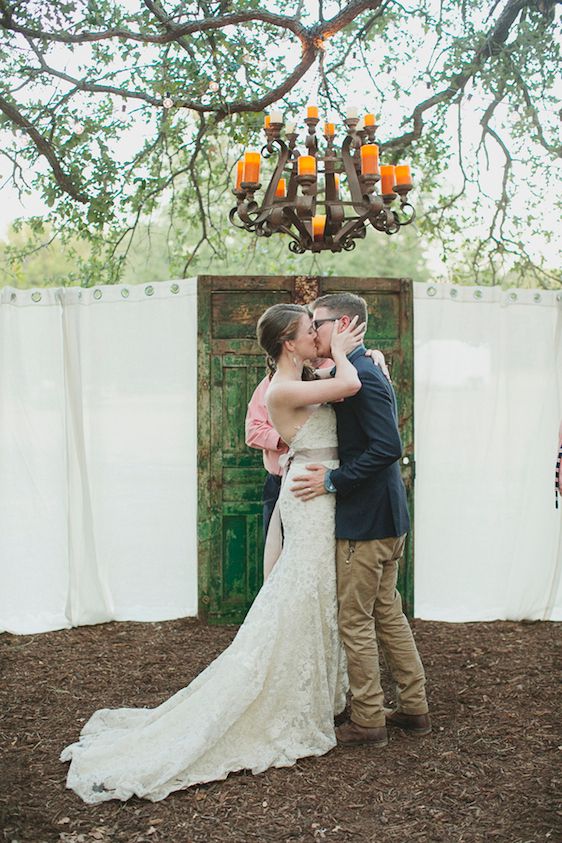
{"x":370,"y":610}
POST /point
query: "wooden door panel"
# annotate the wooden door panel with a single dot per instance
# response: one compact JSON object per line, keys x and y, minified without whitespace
{"x":239,"y":485}
{"x":231,"y":475}
{"x":236,"y":312}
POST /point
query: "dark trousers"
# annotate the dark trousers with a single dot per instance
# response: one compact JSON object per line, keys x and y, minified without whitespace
{"x":271,"y":489}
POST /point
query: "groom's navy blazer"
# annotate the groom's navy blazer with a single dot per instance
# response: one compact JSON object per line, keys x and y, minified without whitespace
{"x":371,"y":498}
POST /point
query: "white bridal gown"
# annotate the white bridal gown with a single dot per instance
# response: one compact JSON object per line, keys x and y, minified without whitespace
{"x":267,"y":700}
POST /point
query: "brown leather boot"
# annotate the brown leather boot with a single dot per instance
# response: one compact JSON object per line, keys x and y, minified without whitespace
{"x":416,"y":724}
{"x":353,"y":733}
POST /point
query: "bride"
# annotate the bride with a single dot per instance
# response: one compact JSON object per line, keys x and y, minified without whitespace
{"x":271,"y":696}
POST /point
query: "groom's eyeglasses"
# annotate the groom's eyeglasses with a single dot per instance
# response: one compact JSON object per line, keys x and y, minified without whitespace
{"x":316,"y":323}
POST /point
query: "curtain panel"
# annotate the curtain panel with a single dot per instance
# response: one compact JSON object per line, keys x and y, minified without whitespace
{"x":488,"y":403}
{"x":98,"y":455}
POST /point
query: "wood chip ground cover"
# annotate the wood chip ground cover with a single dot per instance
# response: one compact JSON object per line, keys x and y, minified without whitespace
{"x":489,"y":772}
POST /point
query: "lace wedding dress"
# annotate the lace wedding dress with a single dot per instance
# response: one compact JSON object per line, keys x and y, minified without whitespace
{"x":267,"y":700}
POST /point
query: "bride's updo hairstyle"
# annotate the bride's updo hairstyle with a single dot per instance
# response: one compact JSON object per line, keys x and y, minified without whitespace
{"x":280,"y":322}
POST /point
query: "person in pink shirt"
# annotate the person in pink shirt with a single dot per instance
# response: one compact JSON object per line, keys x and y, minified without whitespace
{"x":261,"y":434}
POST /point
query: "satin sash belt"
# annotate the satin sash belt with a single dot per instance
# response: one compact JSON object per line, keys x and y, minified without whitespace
{"x":274,"y":538}
{"x":307,"y":455}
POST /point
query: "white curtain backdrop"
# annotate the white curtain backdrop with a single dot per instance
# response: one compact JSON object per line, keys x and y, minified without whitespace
{"x":98,"y":454}
{"x":488,"y":403}
{"x":98,"y":457}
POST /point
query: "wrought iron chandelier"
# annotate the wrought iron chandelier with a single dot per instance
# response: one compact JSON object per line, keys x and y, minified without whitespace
{"x":295,"y":192}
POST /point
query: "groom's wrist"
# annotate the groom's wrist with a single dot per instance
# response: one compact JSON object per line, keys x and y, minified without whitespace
{"x":328,"y":485}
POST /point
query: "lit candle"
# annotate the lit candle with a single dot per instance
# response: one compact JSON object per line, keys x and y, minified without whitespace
{"x":388,"y":178}
{"x":306,"y":165}
{"x":329,"y":129}
{"x":312,"y":112}
{"x":266,"y":121}
{"x":290,"y":128}
{"x":403,"y":174}
{"x":239,"y":174}
{"x":276,"y":117}
{"x":369,"y":159}
{"x":318,"y":226}
{"x":251,"y":167}
{"x":337,"y":183}
{"x":280,"y":190}
{"x":370,"y":120}
{"x":351,"y":111}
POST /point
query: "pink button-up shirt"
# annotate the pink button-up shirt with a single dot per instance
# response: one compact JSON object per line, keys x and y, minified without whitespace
{"x":260,"y":433}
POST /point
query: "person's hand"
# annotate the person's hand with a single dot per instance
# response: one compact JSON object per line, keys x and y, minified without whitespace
{"x":311,"y":485}
{"x":343,"y":342}
{"x":378,"y":359}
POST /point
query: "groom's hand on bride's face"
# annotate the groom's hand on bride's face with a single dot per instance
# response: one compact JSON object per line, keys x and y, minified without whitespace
{"x":310,"y":485}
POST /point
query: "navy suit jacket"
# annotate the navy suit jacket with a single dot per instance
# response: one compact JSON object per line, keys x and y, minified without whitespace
{"x":371,"y":498}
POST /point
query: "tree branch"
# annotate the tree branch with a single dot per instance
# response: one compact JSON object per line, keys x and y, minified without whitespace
{"x":555,"y":150}
{"x":173,"y":31}
{"x":44,"y":148}
{"x":491,"y":47}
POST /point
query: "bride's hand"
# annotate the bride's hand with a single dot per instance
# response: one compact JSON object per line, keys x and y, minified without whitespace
{"x":378,"y":359}
{"x":343,"y":342}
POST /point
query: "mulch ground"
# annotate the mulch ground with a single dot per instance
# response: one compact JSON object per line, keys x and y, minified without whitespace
{"x":487,"y":772}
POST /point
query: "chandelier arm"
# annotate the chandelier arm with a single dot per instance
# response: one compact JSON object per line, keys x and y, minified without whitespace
{"x":244,"y":210}
{"x":285,"y":230}
{"x":232,"y":218}
{"x":298,"y":223}
{"x":263,"y":214}
{"x":410,"y":213}
{"x":284,"y":153}
{"x":385,"y":221}
{"x":351,"y":173}
{"x":335,"y":214}
{"x":347,"y":229}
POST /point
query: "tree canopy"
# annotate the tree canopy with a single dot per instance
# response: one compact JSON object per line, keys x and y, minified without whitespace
{"x":121,"y":109}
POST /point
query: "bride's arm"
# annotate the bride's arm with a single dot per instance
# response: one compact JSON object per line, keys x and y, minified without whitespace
{"x":344,"y":383}
{"x":376,"y":356}
{"x":378,"y":359}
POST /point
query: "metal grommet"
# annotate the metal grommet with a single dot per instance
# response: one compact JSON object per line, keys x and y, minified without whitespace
{"x":513,"y":296}
{"x":149,"y":291}
{"x":537,"y":297}
{"x":478,"y":294}
{"x":175,"y":288}
{"x":454,"y":293}
{"x":13,"y":297}
{"x":125,"y":293}
{"x":36,"y":296}
{"x":431,"y":291}
{"x":98,"y":294}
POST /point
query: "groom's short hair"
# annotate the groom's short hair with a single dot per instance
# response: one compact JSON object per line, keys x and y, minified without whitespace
{"x":343,"y":304}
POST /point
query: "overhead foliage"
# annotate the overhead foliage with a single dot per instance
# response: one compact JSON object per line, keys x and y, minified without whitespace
{"x":87,"y":87}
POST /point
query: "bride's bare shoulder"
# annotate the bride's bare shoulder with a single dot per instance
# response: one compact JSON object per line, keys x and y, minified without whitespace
{"x":282,"y":391}
{"x":273,"y":390}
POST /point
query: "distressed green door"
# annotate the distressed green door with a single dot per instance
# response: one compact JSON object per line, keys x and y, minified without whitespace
{"x":230,"y":475}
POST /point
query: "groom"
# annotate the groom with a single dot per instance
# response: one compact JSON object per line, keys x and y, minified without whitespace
{"x":371,"y":525}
